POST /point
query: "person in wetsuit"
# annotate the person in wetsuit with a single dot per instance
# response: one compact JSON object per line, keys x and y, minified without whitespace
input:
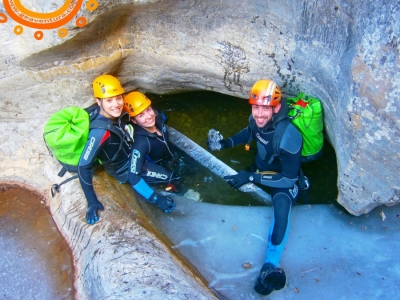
{"x":152,"y":157}
{"x":110,"y":144}
{"x":277,"y":172}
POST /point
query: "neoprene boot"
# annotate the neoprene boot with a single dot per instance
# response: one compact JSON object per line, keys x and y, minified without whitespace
{"x":270,"y":279}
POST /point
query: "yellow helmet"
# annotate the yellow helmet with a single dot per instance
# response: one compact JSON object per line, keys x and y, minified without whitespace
{"x":265,"y":92}
{"x":107,"y":86}
{"x":135,"y":103}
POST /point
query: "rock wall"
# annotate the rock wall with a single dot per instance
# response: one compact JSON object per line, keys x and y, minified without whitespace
{"x":345,"y":52}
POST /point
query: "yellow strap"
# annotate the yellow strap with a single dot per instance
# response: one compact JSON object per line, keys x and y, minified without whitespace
{"x":267,"y":172}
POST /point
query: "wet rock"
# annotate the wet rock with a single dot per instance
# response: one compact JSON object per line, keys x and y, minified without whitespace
{"x":193,"y":195}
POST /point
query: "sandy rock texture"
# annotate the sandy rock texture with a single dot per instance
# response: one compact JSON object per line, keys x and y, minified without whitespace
{"x":345,"y":52}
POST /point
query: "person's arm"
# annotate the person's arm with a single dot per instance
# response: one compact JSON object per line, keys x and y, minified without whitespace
{"x":239,"y":138}
{"x":290,"y":156}
{"x":98,"y":138}
{"x":140,"y":149}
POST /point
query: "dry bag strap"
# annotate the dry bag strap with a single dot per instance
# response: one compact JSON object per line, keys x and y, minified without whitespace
{"x":276,"y":140}
{"x":55,"y":188}
{"x":62,"y":172}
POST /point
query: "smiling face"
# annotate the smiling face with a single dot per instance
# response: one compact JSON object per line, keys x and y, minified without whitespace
{"x":111,"y":107}
{"x":146,"y":119}
{"x":262,"y":114}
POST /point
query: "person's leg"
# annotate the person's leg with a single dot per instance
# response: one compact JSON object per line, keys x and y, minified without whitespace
{"x":279,"y":229}
{"x":153,"y":173}
{"x":271,"y":277}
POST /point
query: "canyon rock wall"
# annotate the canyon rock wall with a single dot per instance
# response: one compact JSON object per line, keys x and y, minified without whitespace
{"x":345,"y":53}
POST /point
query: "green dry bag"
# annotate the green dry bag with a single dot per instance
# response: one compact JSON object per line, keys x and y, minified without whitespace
{"x":307,"y":115}
{"x":66,"y":133}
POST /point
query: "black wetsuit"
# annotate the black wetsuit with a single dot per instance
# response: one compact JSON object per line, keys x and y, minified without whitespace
{"x":150,"y":151}
{"x":102,"y":145}
{"x":282,"y":181}
{"x":151,"y":154}
{"x":136,"y":163}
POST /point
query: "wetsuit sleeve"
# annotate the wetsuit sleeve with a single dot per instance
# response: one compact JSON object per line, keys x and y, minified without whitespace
{"x":140,"y":149}
{"x":98,"y":138}
{"x":239,"y":138}
{"x":290,"y":156}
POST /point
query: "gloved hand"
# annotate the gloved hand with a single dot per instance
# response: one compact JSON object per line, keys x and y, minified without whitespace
{"x":166,"y":204}
{"x":241,"y":178}
{"x":91,"y":212}
{"x":222,"y":145}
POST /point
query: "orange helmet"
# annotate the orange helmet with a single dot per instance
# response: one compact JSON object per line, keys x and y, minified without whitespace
{"x":135,"y":103}
{"x":106,"y":86}
{"x":265,"y":92}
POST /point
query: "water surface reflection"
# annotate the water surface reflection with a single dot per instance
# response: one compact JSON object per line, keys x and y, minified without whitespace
{"x":35,"y":260}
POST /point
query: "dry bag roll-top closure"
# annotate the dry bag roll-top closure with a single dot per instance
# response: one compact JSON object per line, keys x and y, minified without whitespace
{"x":65,"y":134}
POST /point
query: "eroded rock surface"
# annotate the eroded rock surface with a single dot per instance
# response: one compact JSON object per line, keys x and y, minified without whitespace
{"x":123,"y":256}
{"x":346,"y":53}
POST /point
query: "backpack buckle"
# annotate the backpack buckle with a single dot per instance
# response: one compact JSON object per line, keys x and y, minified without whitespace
{"x":55,"y":188}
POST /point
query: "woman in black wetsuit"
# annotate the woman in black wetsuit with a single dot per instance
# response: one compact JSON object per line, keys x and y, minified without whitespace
{"x":152,"y":156}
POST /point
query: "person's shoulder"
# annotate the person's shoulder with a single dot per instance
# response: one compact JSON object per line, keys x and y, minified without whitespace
{"x":101,"y":126}
{"x":97,"y":130}
{"x":99,"y":136}
{"x":139,"y":139}
{"x":291,"y":138}
{"x":293,"y":131}
{"x":291,"y":127}
{"x":99,"y":122}
{"x":138,"y":131}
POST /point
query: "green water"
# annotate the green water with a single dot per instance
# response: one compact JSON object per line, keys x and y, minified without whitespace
{"x":195,"y":113}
